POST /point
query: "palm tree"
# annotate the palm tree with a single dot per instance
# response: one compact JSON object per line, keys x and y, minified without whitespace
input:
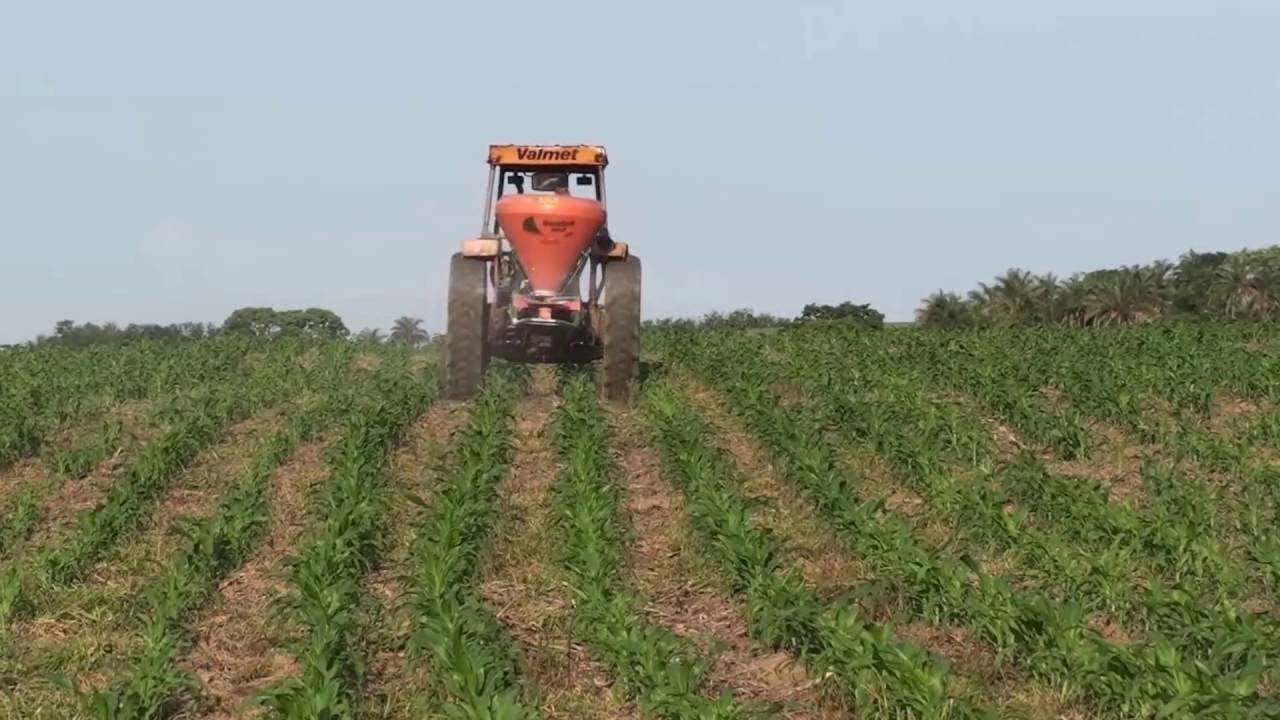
{"x":945,"y":310}
{"x":1073,"y":294}
{"x":1011,"y":299}
{"x":370,"y":336}
{"x":1242,"y":290}
{"x":980,"y":302}
{"x":1048,"y":294}
{"x":1120,"y":297}
{"x":408,"y":331}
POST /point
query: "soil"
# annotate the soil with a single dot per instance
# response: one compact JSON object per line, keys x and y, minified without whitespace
{"x":523,"y":584}
{"x":663,"y":567}
{"x":236,"y":652}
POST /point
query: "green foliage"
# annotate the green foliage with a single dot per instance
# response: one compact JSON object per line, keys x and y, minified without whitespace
{"x":1240,"y":285}
{"x":208,"y":414}
{"x":863,"y":315}
{"x":155,"y":686}
{"x":76,"y":461}
{"x":662,"y":671}
{"x":369,"y":336}
{"x":1198,"y":657}
{"x":740,"y":319}
{"x":326,"y":573}
{"x":472,"y":662}
{"x":408,"y":331}
{"x":878,"y":674}
{"x":18,"y":522}
{"x":196,"y":418}
{"x":946,"y":311}
{"x":68,"y":333}
{"x":747,"y":319}
{"x":47,"y":387}
{"x":265,"y":322}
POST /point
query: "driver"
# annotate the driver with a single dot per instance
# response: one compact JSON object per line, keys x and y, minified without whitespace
{"x":557,"y":182}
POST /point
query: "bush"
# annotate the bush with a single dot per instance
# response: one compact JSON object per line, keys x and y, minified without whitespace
{"x":861,"y":315}
{"x":267,"y":322}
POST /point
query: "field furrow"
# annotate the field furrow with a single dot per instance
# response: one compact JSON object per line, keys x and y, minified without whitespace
{"x":473,"y":670}
{"x":874,"y":672}
{"x":80,"y":630}
{"x":523,"y":585}
{"x":1050,"y":635}
{"x":341,"y":543}
{"x":392,"y":686}
{"x":235,"y":650}
{"x":804,"y":522}
{"x":685,"y":596}
{"x":665,"y":672}
{"x":805,"y":541}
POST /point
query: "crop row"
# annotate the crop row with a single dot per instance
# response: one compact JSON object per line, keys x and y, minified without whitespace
{"x":198,"y":419}
{"x":327,"y":572}
{"x":46,"y":387}
{"x":664,"y":672}
{"x":155,"y":686}
{"x":878,"y":674}
{"x":1047,"y":636}
{"x":473,"y":663}
{"x":1064,"y":529}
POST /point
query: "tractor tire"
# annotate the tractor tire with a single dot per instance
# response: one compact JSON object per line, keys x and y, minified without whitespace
{"x":621,"y":329}
{"x":466,"y":354}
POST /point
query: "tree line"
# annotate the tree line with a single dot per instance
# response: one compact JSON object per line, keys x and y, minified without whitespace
{"x":261,"y":322}
{"x":849,"y":313}
{"x":1243,"y":285}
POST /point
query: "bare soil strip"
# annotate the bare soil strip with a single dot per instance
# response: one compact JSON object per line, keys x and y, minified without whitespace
{"x":1231,"y":414}
{"x":59,"y":509}
{"x":829,"y":568}
{"x":193,"y":495}
{"x":24,"y":481}
{"x":1115,"y":462}
{"x":523,"y":584}
{"x":23,"y":474}
{"x":235,"y":651}
{"x":61,"y":499}
{"x":80,"y":629}
{"x":416,"y":467}
{"x":66,"y":612}
{"x":685,"y":597}
{"x":30,"y":470}
{"x":805,"y":539}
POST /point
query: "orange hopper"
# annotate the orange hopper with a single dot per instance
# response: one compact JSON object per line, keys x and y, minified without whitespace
{"x":548,"y":234}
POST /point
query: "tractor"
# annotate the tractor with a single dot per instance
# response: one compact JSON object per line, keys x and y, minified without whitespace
{"x":516,"y":290}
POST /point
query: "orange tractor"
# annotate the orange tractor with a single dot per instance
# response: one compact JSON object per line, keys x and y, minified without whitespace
{"x":516,"y":290}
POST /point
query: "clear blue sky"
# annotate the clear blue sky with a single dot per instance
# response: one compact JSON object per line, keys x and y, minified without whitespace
{"x":173,"y":161}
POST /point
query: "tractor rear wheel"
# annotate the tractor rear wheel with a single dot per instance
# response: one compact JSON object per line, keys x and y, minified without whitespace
{"x":621,"y":328}
{"x":465,"y":351}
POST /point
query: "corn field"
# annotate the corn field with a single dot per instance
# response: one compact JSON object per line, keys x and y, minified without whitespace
{"x":807,"y":523}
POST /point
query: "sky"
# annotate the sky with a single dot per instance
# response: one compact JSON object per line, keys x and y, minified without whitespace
{"x":165,"y":162}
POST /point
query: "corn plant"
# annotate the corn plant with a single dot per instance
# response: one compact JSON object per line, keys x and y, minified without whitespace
{"x":327,"y":571}
{"x":198,"y":417}
{"x":154,"y":685}
{"x":18,"y":522}
{"x":1046,"y":635}
{"x":662,"y":671}
{"x":206,"y":416}
{"x":45,"y":388}
{"x":473,"y":664}
{"x":879,"y":675}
